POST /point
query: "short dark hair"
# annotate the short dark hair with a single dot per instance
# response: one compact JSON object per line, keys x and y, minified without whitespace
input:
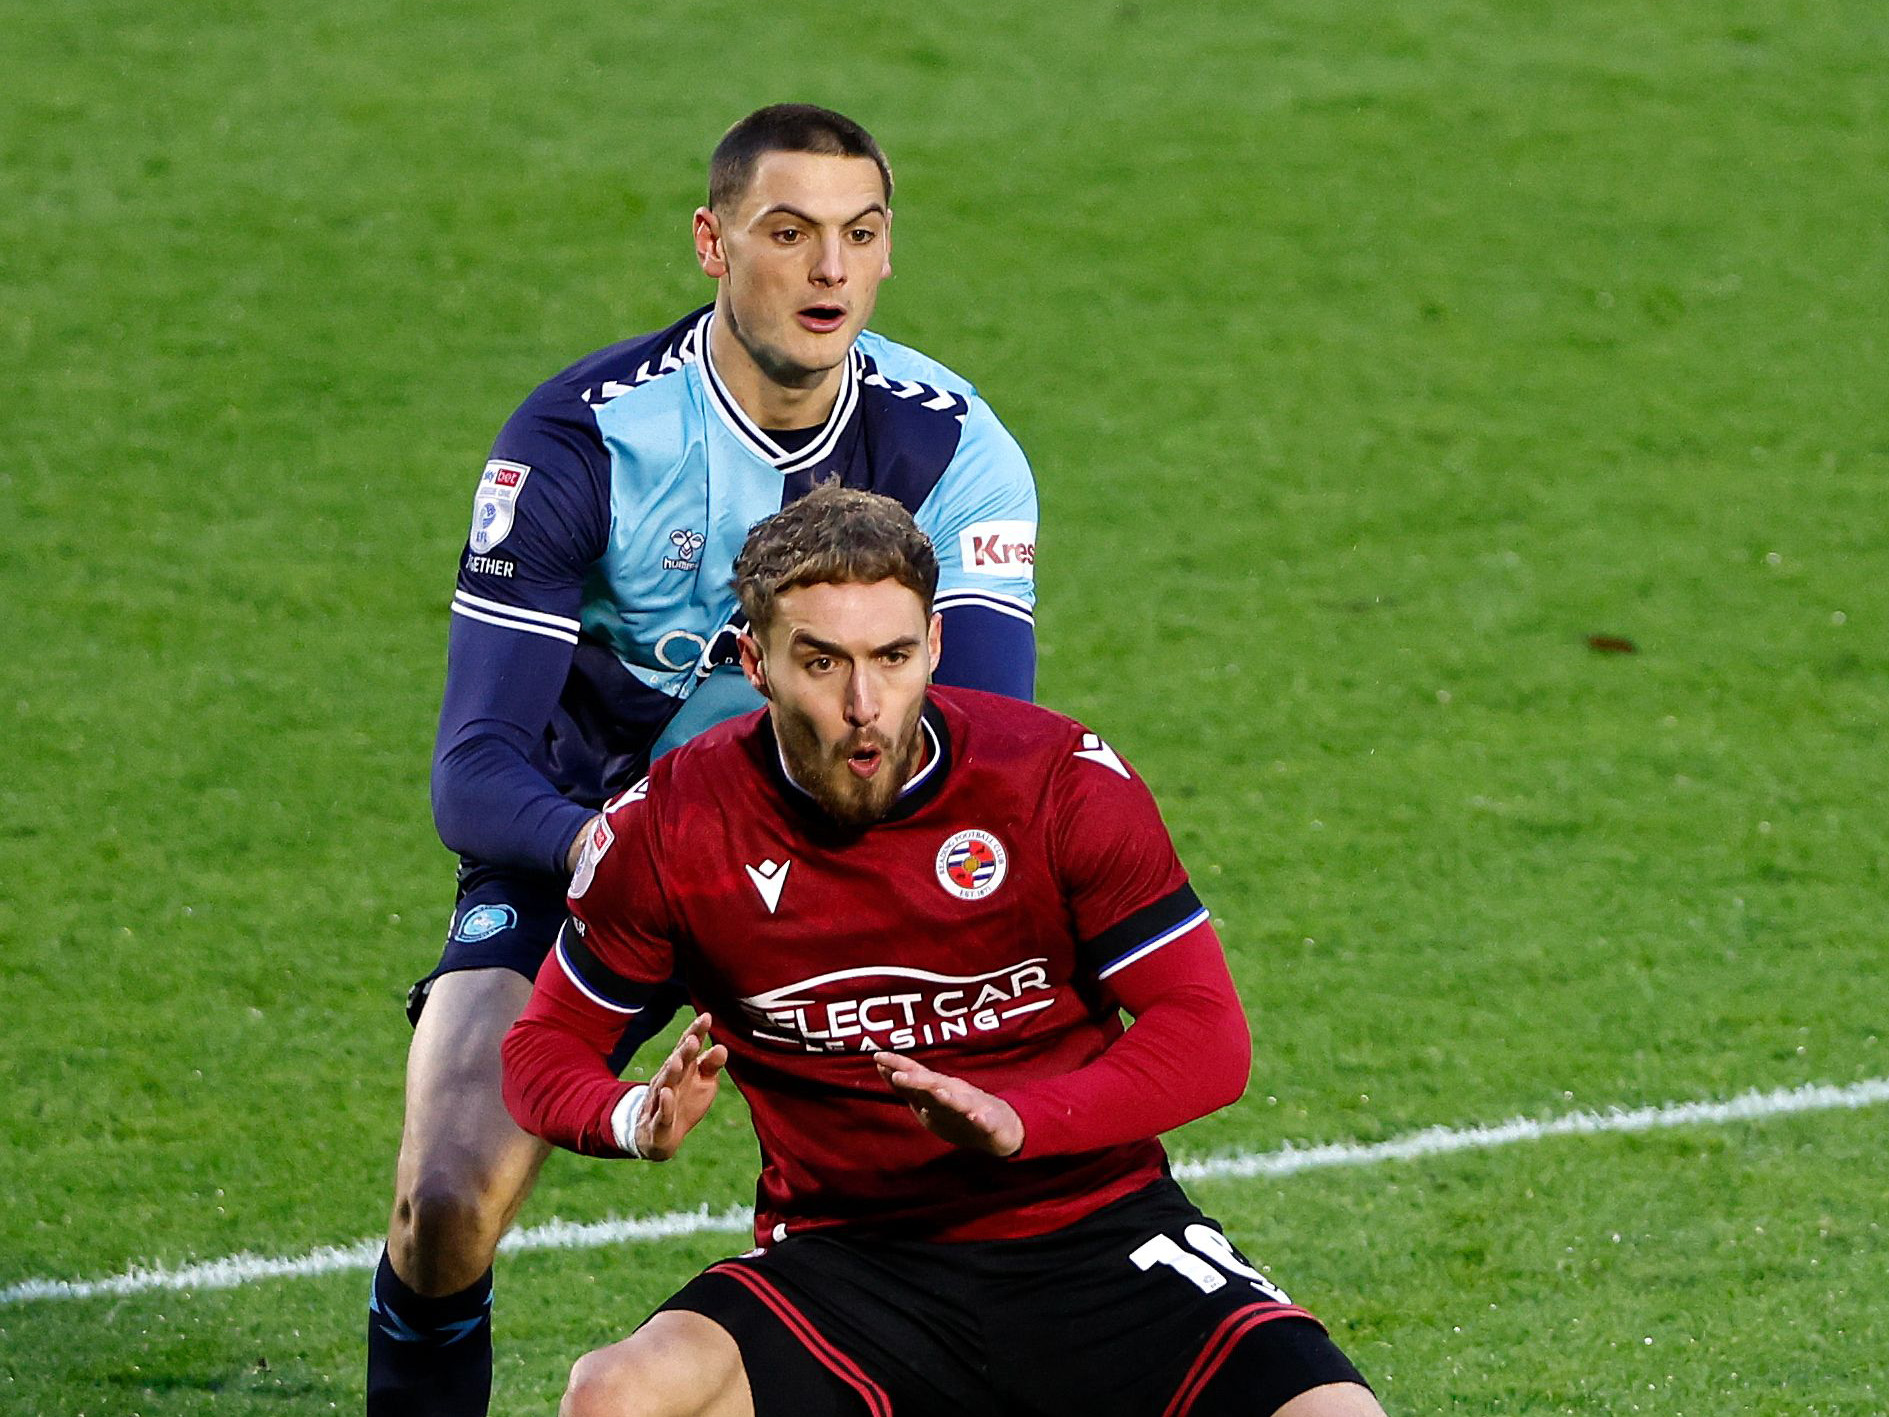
{"x":832,"y":536}
{"x":785,"y":128}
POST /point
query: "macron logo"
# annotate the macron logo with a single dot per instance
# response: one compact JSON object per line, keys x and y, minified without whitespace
{"x":768,"y":879}
{"x":1096,"y":751}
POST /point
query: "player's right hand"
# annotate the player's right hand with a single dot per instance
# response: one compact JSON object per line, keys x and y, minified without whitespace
{"x":952,"y":1109}
{"x":680,"y":1092}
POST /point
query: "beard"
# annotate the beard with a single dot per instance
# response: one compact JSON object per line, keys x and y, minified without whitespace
{"x":822,"y":773}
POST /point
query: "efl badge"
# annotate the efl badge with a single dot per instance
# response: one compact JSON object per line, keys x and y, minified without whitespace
{"x":493,"y":506}
{"x":971,"y":864}
{"x":596,"y":841}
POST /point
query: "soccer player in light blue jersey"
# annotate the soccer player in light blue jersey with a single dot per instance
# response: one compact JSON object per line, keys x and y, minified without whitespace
{"x":594,"y":627}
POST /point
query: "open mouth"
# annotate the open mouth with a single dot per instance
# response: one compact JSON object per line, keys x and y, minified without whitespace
{"x":822,"y":319}
{"x":864,"y":762}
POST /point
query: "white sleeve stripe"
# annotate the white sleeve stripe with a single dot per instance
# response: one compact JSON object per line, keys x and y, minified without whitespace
{"x":960,"y":601}
{"x":542,"y":617}
{"x":584,"y":989}
{"x":1142,"y":951}
{"x":545,"y":630}
{"x":979,"y":593}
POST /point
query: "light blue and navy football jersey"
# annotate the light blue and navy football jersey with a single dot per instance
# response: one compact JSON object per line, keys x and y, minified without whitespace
{"x":593,"y":592}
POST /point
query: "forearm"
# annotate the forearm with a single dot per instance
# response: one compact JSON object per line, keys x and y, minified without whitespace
{"x":1187,"y":1054}
{"x":491,"y":804}
{"x":558,"y":1083}
{"x":491,"y":801}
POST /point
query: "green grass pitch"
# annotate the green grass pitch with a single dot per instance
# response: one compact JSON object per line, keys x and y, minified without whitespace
{"x":1372,"y":357}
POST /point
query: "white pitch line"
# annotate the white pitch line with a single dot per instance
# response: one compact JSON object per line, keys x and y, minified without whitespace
{"x":234,"y":1270}
{"x":1439,"y":1141}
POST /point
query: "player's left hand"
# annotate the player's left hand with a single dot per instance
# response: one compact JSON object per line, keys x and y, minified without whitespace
{"x":951,"y":1108}
{"x":681,"y":1091}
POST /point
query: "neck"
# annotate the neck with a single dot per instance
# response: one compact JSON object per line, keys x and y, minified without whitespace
{"x":770,"y":402}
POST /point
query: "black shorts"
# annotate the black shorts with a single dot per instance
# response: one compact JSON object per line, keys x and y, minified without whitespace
{"x":1142,"y":1308}
{"x":508,"y":919}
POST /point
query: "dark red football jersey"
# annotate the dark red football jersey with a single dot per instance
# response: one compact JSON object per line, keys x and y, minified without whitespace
{"x":979,"y":928}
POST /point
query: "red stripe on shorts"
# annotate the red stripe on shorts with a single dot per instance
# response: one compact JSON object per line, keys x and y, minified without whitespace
{"x":878,"y":1401}
{"x":1219,"y":1347}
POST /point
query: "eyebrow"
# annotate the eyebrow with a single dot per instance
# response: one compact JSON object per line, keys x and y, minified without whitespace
{"x":784,"y":208}
{"x":803,"y":640}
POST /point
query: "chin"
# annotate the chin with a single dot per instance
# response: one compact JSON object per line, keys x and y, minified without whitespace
{"x":821,"y":354}
{"x":805,"y":360}
{"x":855,"y":804}
{"x":859,"y":809}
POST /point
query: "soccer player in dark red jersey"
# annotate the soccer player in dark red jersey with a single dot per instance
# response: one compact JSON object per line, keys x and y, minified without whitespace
{"x":593,"y":628}
{"x":913,"y":918}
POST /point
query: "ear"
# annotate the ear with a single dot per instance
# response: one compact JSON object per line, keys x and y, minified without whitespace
{"x":709,"y":252}
{"x":751,"y":666}
{"x":885,"y":271}
{"x":934,"y":640}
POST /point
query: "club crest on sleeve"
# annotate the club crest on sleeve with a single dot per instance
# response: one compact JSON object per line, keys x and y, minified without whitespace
{"x":972,"y":864}
{"x":596,"y":841}
{"x":495,"y":503}
{"x":482,"y":922}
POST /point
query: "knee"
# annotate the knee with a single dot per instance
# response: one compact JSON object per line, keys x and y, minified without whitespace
{"x":603,"y":1384}
{"x":676,"y":1363}
{"x":1333,"y":1400}
{"x":445,"y":1221}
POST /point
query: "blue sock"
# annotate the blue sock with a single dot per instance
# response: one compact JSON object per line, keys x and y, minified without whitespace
{"x":428,"y":1357}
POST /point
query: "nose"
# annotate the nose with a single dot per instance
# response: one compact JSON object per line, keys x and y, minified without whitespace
{"x":862,"y":699}
{"x":830,"y":267}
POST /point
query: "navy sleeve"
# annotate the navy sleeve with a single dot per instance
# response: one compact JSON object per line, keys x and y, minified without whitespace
{"x":987,"y":647}
{"x":981,"y":518}
{"x":490,"y":801}
{"x":540,"y":518}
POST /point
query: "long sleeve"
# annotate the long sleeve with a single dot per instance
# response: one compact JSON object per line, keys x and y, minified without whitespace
{"x":489,"y":799}
{"x":540,"y":518}
{"x":1187,"y":1053}
{"x":558,"y":1084}
{"x":612,"y":958}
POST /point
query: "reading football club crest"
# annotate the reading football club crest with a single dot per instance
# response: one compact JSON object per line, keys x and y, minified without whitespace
{"x":495,"y":503}
{"x":482,"y":922}
{"x":972,"y":864}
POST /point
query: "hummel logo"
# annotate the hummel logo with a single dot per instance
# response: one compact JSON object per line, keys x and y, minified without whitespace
{"x":688,"y":546}
{"x":1096,"y":751}
{"x":768,"y":879}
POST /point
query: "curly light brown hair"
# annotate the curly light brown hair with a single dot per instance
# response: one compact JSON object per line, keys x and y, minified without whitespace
{"x":832,"y":536}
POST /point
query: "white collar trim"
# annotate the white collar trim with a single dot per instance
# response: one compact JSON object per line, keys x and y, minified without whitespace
{"x":755,"y":438}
